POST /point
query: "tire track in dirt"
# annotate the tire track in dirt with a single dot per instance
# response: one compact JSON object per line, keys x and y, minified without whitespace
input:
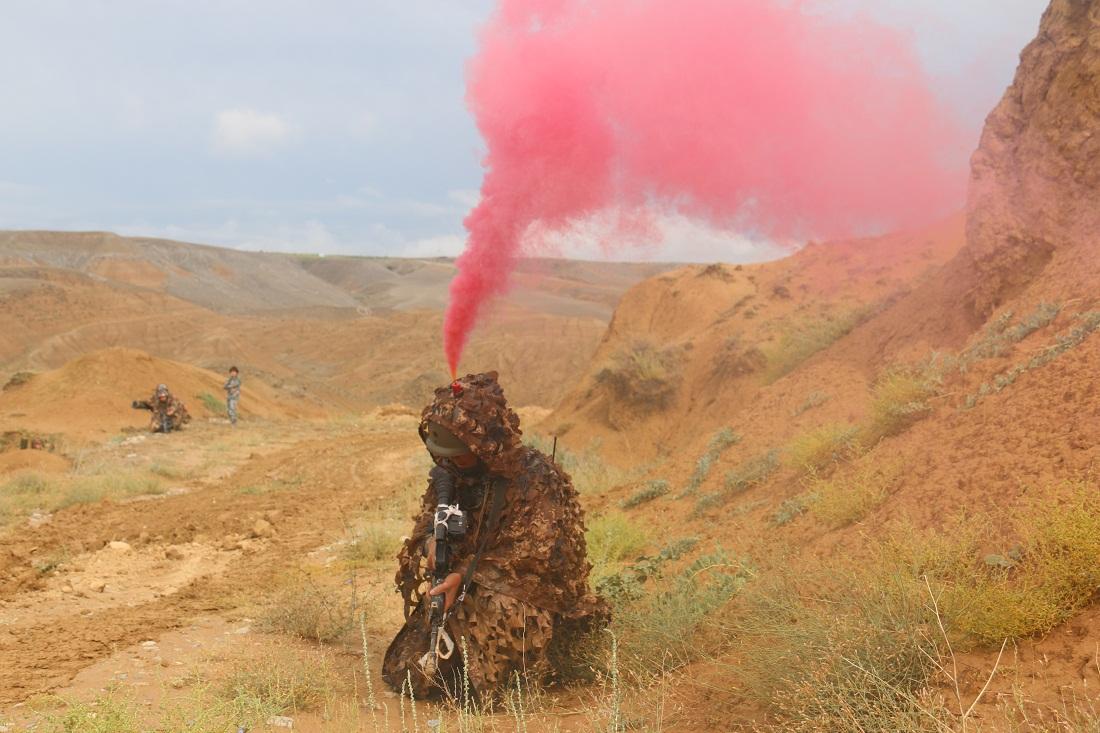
{"x":331,"y":478}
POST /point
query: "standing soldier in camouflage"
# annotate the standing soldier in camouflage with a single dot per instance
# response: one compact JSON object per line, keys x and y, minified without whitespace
{"x":232,"y":393}
{"x":169,"y":413}
{"x":516,"y":590}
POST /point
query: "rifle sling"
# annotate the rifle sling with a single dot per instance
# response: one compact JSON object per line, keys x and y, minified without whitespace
{"x":489,"y":527}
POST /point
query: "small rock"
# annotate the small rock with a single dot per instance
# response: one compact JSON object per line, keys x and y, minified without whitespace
{"x":273,"y":515}
{"x":37,"y":519}
{"x":67,"y":587}
{"x":149,"y":644}
{"x":263,"y":529}
{"x":173,"y":553}
{"x":178,"y":684}
{"x":117,"y":546}
{"x":280,"y":721}
{"x":97,"y":586}
{"x":143,"y":538}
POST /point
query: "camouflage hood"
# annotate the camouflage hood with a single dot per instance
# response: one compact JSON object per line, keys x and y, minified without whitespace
{"x":474,"y":409}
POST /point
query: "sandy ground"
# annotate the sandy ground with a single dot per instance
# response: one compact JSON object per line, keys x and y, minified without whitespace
{"x":148,"y":597}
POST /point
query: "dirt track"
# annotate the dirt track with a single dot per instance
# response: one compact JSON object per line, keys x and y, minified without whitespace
{"x":221,"y":543}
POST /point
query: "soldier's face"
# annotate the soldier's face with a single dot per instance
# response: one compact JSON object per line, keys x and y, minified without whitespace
{"x":465,"y":460}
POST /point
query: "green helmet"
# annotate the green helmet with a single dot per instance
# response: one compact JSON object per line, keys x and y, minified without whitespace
{"x":442,"y":443}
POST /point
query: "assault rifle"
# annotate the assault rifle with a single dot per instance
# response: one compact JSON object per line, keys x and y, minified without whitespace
{"x":449,"y":523}
{"x":165,"y":418}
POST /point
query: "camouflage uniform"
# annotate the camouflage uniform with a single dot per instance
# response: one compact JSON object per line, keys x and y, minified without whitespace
{"x":232,"y":396}
{"x":168,"y":411}
{"x":529,"y":593}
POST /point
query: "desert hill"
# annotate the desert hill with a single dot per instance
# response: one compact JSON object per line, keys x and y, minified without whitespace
{"x":353,"y":332}
{"x":868,"y":394}
{"x":91,"y":396}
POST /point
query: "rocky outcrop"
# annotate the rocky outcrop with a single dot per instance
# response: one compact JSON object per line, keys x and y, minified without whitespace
{"x":1035,"y":178}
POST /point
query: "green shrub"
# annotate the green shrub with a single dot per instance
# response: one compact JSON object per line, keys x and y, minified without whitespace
{"x":793,"y":508}
{"x":613,"y":539}
{"x":813,"y":399}
{"x":662,"y":631}
{"x":721,"y":440}
{"x":591,"y":474}
{"x":108,"y":713}
{"x":652,"y":490}
{"x":1087,"y":323}
{"x":751,"y":473}
{"x":212,"y":404}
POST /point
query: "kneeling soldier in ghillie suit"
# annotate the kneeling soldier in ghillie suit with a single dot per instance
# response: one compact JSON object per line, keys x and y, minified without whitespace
{"x":513,"y":591}
{"x":168,"y":412}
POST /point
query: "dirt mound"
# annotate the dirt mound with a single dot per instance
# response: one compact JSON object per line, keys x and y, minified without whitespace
{"x":39,"y":461}
{"x":687,"y":350}
{"x":91,"y":396}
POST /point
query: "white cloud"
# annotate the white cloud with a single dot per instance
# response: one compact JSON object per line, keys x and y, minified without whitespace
{"x":245,"y":132}
{"x":17,"y":190}
{"x":656,"y":237}
{"x":445,"y":245}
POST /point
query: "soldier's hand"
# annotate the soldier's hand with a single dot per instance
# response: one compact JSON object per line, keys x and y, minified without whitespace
{"x":450,"y":586}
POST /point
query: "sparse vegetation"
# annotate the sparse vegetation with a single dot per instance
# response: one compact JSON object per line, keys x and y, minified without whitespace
{"x":212,"y":404}
{"x":663,"y":631}
{"x":901,"y":397}
{"x":723,"y":439}
{"x":793,"y":508}
{"x":276,"y":684}
{"x":644,"y":376}
{"x":306,"y":610}
{"x":1087,"y":324}
{"x":842,"y":500}
{"x":109,"y":713}
{"x":378,"y":540}
{"x":1026,"y":590}
{"x":27,"y":492}
{"x":856,"y":654}
{"x":999,"y":336}
{"x":591,"y":474}
{"x":652,"y":490}
{"x":824,"y":447}
{"x":18,"y":379}
{"x":803,"y":340}
{"x":813,"y":399}
{"x":613,"y":539}
{"x":753,"y":472}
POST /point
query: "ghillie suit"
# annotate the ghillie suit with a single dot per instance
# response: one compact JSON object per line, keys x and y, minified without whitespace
{"x":169,"y":413}
{"x":528,"y":597}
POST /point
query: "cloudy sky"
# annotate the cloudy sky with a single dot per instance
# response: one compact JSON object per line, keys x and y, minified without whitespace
{"x":333,"y":126}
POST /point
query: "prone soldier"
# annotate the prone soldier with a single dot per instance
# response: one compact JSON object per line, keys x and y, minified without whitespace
{"x":169,"y":413}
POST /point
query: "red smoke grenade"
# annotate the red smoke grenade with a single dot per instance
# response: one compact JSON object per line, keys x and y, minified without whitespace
{"x":748,"y":114}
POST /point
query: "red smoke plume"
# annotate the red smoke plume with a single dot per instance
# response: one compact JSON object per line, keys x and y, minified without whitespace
{"x":754,"y":114}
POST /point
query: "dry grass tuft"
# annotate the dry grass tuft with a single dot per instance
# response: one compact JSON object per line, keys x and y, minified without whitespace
{"x":901,"y":397}
{"x":643,"y":375}
{"x":306,"y":610}
{"x":842,"y":500}
{"x":821,"y":449}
